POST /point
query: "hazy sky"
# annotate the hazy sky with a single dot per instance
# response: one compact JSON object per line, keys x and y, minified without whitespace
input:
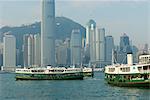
{"x":116,"y":16}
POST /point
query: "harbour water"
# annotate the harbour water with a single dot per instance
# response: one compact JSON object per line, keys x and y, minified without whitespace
{"x":87,"y":89}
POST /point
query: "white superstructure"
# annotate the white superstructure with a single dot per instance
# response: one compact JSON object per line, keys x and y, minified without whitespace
{"x":144,"y":59}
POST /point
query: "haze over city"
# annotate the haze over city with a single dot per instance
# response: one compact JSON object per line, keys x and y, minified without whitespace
{"x":97,"y":49}
{"x":117,"y":17}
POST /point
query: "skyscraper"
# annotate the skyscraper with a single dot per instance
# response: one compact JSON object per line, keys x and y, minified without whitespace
{"x":91,"y":39}
{"x":109,"y":49}
{"x":25,"y":50}
{"x":100,"y":45}
{"x":37,"y":50}
{"x":125,"y":43}
{"x":124,"y":49}
{"x":61,"y":53}
{"x":76,"y":45}
{"x":9,"y":54}
{"x":47,"y":33}
{"x":31,"y":50}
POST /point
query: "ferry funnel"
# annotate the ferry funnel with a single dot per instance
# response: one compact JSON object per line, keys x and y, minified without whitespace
{"x":129,"y":59}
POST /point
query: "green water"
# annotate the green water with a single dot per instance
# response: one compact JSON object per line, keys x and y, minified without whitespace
{"x":87,"y":89}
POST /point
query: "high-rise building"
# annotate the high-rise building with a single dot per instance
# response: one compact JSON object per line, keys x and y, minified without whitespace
{"x":31,"y":50}
{"x":1,"y":54}
{"x":47,"y":33}
{"x":76,"y":45}
{"x":91,"y":39}
{"x":25,"y":50}
{"x":100,"y":45}
{"x":61,"y":54}
{"x":9,"y":53}
{"x":109,"y":49}
{"x":125,"y":44}
{"x":37,"y":50}
{"x":125,"y":48}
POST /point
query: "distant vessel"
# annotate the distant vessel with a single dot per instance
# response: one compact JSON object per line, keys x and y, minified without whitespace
{"x":49,"y":73}
{"x":128,"y":75}
{"x":87,"y":72}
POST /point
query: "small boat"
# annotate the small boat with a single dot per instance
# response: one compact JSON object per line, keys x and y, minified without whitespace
{"x":87,"y":72}
{"x":49,"y":73}
{"x":128,"y":75}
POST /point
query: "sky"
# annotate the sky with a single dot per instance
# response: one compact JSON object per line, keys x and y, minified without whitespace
{"x":116,"y":16}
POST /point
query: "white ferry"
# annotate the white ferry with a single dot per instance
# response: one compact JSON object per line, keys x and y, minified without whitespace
{"x":128,"y":75}
{"x":48,"y":73}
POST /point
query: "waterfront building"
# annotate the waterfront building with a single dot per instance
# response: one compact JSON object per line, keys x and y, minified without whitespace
{"x":91,"y":39}
{"x":109,"y":49}
{"x":47,"y":33}
{"x":37,"y":50}
{"x":135,"y":54}
{"x":125,"y":44}
{"x":125,"y":48}
{"x":61,"y":54}
{"x":1,"y":53}
{"x":9,"y":54}
{"x":100,"y":46}
{"x":75,"y":46}
{"x":25,"y":50}
{"x":31,"y":50}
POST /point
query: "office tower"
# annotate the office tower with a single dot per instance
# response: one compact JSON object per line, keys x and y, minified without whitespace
{"x":47,"y":33}
{"x":135,"y":54}
{"x":37,"y":50}
{"x":125,"y":44}
{"x":124,"y":49}
{"x":9,"y":54}
{"x":100,"y":45}
{"x":25,"y":50}
{"x":61,"y":53}
{"x":145,"y":49}
{"x":75,"y":45}
{"x":30,"y":50}
{"x":91,"y":39}
{"x":109,"y":49}
{"x":1,"y":53}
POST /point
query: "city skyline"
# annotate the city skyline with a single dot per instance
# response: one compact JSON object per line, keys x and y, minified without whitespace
{"x":117,"y":17}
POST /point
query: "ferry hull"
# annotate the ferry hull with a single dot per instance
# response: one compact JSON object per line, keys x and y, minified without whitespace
{"x":118,"y":80}
{"x":73,"y":76}
{"x":130,"y":84}
{"x":87,"y":74}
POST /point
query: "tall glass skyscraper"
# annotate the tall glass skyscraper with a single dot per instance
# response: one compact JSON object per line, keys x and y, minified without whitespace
{"x":75,"y":45}
{"x":125,"y":44}
{"x":91,"y":39}
{"x":109,"y":47}
{"x":47,"y":33}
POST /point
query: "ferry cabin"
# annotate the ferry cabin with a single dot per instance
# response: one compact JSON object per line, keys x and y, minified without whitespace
{"x":127,"y":73}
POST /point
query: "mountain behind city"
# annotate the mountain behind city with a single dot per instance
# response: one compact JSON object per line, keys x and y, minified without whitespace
{"x":64,"y":27}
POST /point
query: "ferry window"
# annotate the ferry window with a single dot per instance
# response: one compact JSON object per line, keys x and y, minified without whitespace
{"x":128,"y":69}
{"x":111,"y":69}
{"x":145,"y":67}
{"x":139,"y":68}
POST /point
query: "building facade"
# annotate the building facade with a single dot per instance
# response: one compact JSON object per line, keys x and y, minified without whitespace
{"x":109,"y":47}
{"x":100,"y":46}
{"x":91,"y":40}
{"x":9,"y":53}
{"x":47,"y":33}
{"x":75,"y":46}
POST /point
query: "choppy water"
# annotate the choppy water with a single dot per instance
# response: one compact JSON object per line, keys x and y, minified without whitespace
{"x":87,"y":89}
